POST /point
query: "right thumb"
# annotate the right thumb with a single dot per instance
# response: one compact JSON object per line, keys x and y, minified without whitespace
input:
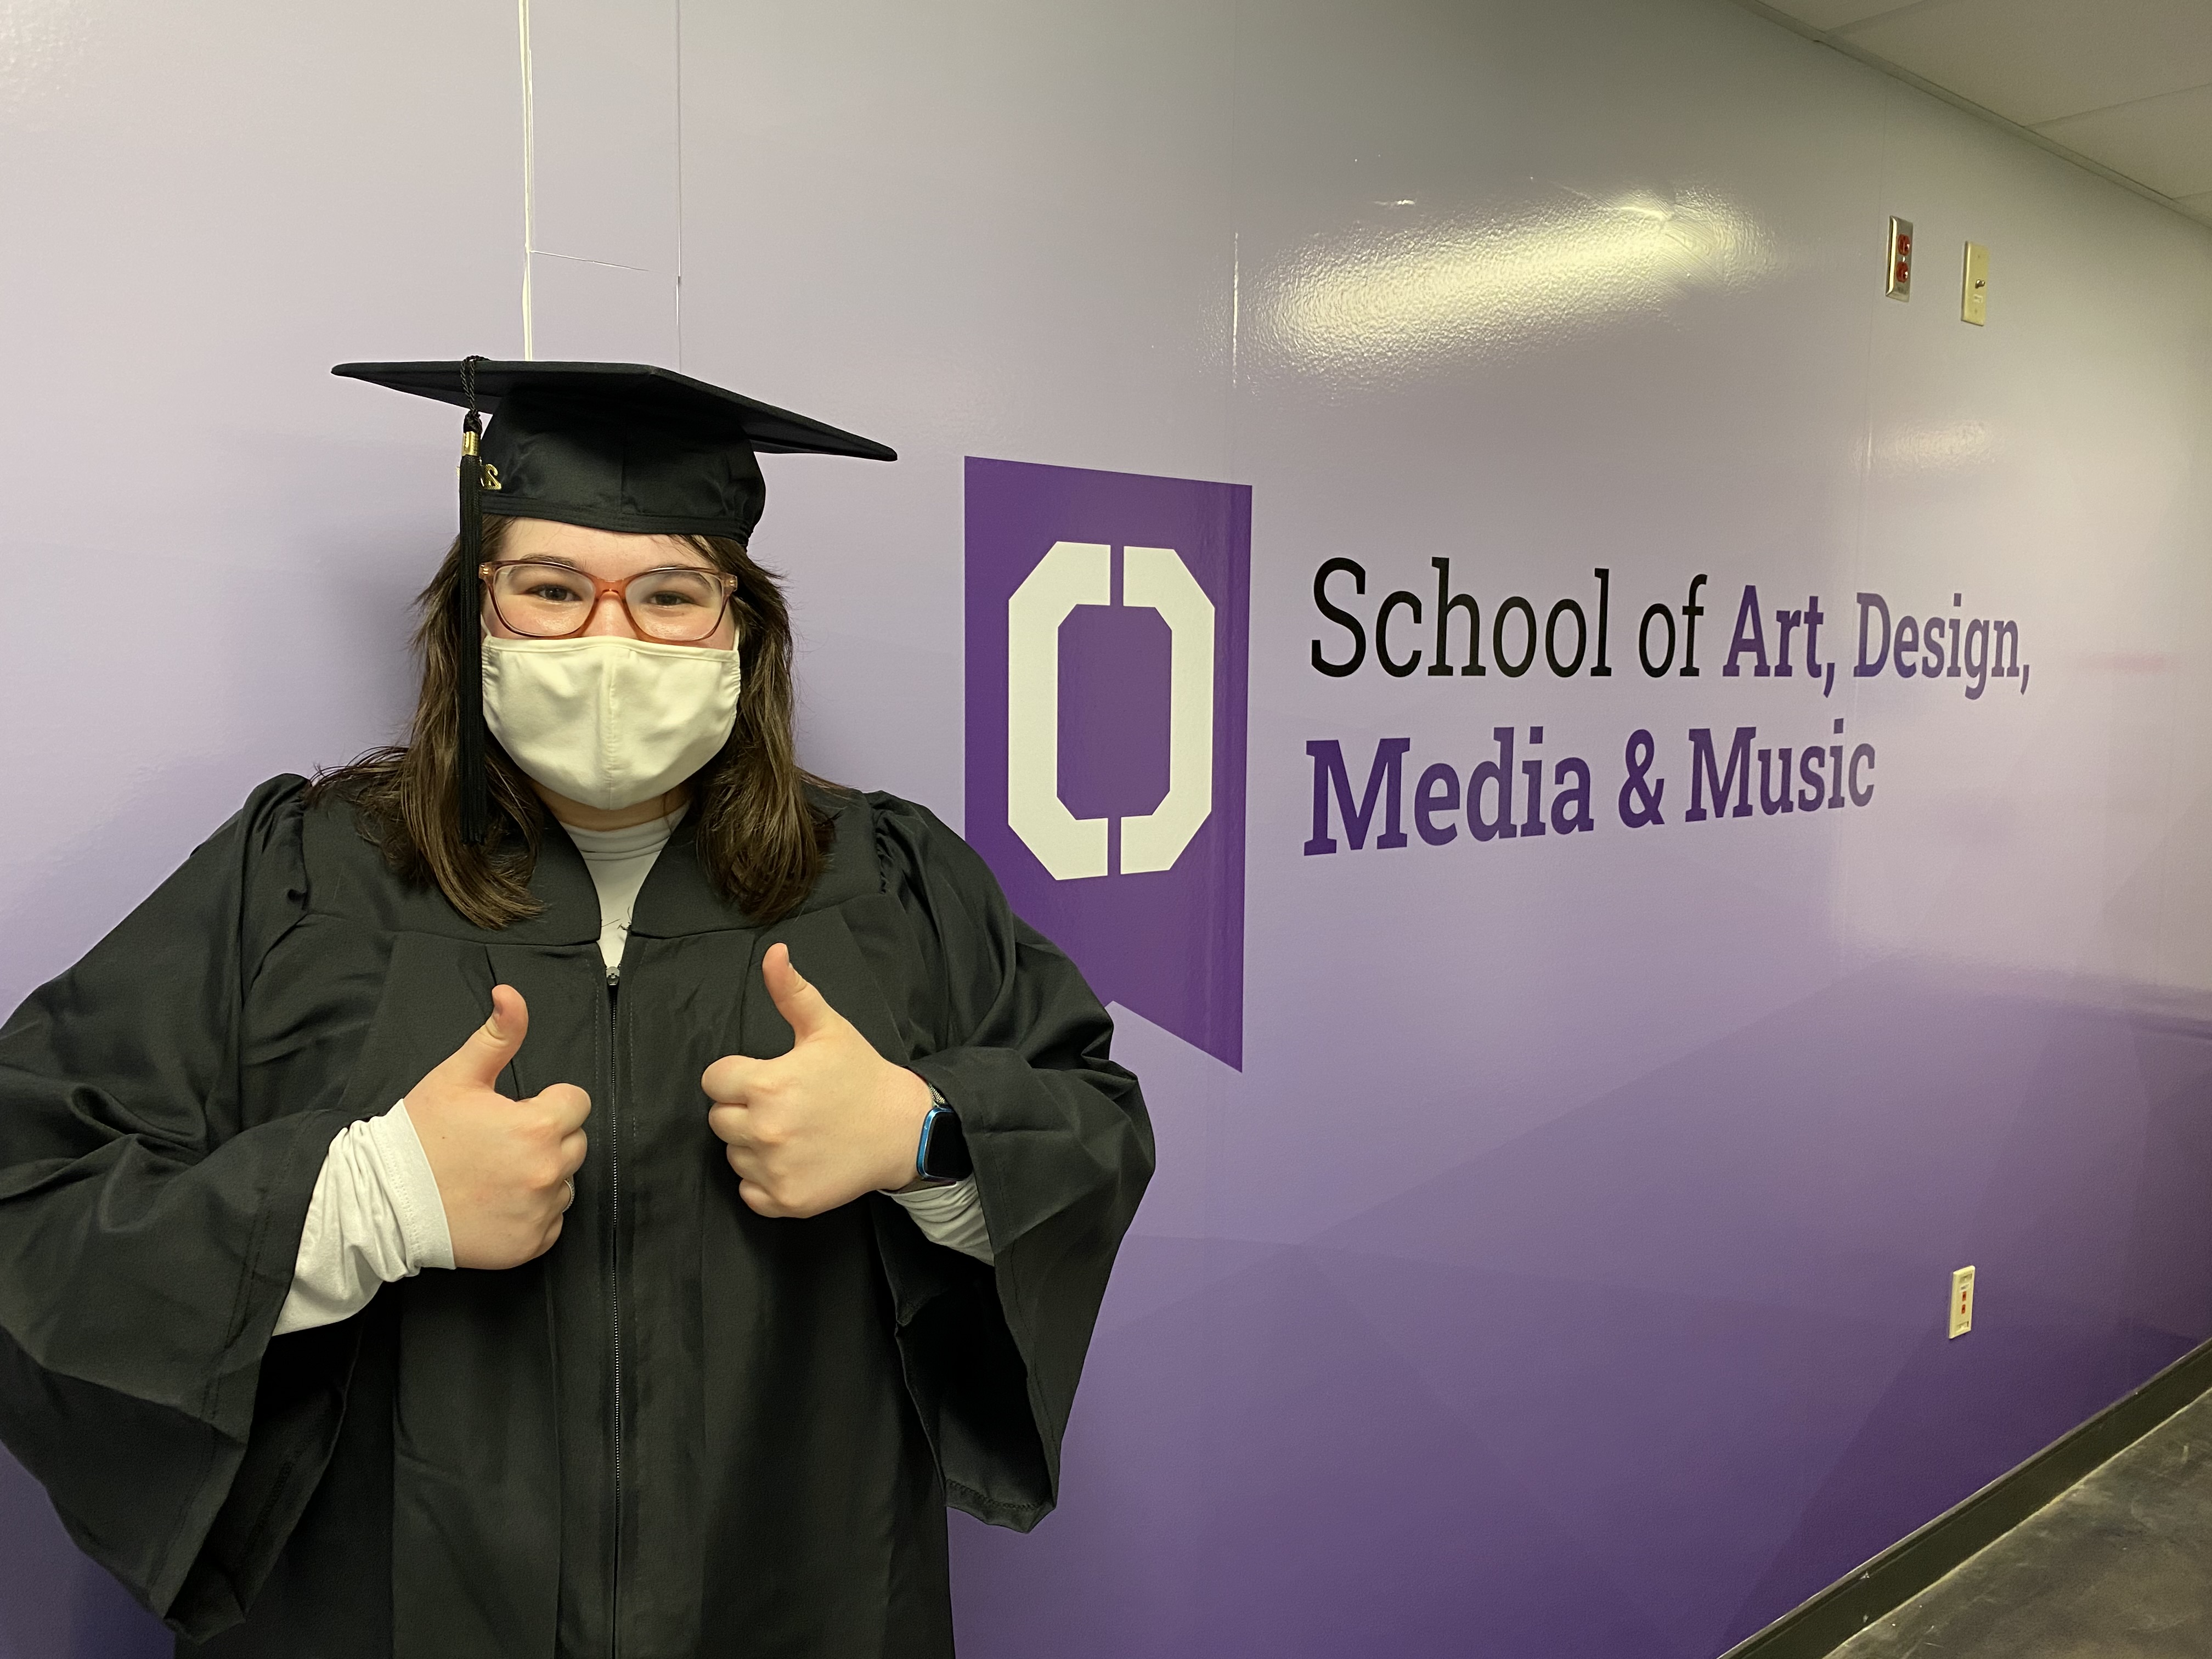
{"x":492,"y":1047}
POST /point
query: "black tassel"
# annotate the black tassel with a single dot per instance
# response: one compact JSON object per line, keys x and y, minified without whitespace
{"x":468,"y":630}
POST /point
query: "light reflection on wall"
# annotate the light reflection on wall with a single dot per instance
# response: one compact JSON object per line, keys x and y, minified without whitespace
{"x":1912,"y":448}
{"x":1380,"y":303}
{"x":43,"y":45}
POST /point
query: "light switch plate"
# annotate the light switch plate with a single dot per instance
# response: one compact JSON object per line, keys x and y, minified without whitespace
{"x":1962,"y":1301}
{"x":1900,"y":259}
{"x":1974,"y":293}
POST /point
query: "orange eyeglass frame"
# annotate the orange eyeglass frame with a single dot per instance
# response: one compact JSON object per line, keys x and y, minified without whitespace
{"x":619,"y":591}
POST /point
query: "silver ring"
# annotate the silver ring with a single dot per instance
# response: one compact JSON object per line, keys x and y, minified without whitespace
{"x":571,"y":1199}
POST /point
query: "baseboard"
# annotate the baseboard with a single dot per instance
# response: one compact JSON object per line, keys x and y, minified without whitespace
{"x":1903,"y":1570}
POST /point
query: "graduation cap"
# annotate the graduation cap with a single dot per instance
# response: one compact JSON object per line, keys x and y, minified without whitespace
{"x":621,"y":446}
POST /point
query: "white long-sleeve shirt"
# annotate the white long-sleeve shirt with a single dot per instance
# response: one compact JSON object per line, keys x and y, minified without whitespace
{"x":376,"y":1216}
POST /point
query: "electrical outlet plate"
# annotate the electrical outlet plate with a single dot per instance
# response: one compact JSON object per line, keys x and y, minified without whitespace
{"x":1962,"y":1301}
{"x":1900,"y":259}
{"x":1974,"y":292}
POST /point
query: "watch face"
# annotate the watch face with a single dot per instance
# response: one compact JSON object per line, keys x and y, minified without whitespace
{"x":944,"y":1147}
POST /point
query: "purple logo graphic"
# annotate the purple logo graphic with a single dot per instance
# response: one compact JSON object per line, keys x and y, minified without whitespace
{"x":1106,"y":652}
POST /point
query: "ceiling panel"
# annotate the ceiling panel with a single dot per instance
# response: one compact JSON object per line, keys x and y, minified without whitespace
{"x":2033,"y":61}
{"x":2165,"y":143}
{"x":1834,"y":14}
{"x":2121,"y":86}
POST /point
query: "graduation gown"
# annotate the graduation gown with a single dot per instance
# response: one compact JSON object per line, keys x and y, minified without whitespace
{"x":685,"y":1429}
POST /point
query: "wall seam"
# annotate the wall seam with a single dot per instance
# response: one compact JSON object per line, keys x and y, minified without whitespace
{"x":678,"y":5}
{"x":1235,"y":248}
{"x":579,"y":260}
{"x":1849,"y":955}
{"x":529,"y":180}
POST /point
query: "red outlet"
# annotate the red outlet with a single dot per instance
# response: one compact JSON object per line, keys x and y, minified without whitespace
{"x":1900,"y":259}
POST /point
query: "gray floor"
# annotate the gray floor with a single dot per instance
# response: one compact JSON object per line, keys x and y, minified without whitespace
{"x":2118,"y":1567}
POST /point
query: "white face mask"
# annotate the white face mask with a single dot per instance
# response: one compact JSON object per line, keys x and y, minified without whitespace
{"x":605,"y":720}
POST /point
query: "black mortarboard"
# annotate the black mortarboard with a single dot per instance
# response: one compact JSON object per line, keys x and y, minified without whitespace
{"x":621,"y":447}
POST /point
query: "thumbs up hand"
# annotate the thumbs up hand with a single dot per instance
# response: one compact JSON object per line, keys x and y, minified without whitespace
{"x":503,"y":1166}
{"x":823,"y":1124}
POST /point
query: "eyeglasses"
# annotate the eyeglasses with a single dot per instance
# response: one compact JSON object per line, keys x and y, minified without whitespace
{"x":679,"y":605}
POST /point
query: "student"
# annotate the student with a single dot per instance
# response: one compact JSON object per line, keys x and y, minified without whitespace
{"x":572,"y":1184}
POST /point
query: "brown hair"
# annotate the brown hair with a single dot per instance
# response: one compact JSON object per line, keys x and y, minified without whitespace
{"x":762,"y":843}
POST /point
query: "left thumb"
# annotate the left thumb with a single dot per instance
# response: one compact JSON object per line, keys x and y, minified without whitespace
{"x":806,"y":1008}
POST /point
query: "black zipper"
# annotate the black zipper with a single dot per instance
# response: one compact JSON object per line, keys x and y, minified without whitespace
{"x":614,"y":1301}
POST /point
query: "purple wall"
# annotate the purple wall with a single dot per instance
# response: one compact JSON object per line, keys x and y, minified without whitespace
{"x":1563,"y":1271}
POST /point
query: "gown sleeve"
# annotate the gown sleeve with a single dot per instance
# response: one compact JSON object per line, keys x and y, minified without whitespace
{"x":149,"y":1234}
{"x":1062,"y":1148}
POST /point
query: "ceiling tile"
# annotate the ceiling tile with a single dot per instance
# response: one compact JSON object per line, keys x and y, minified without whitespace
{"x":2196,"y":207}
{"x":2033,"y":61}
{"x":1834,"y":14}
{"x":2165,"y":143}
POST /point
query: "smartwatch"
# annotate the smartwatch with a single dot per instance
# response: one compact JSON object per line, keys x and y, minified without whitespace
{"x":941,"y":1158}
